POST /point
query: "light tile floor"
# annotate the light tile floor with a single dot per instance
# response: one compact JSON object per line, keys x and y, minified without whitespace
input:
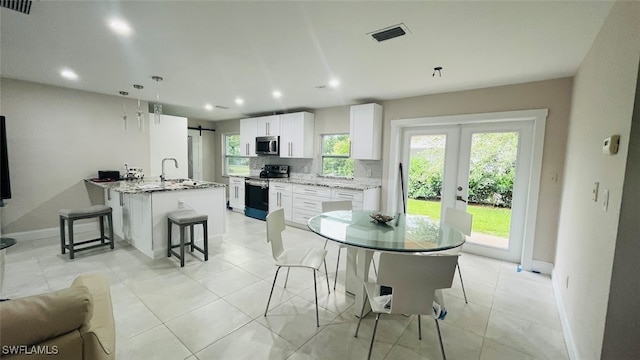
{"x":214,"y":309}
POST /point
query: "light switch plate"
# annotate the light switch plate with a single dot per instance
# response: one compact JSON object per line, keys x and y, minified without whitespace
{"x":605,"y":200}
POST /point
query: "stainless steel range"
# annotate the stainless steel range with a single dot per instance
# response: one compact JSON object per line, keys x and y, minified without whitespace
{"x":256,"y":198}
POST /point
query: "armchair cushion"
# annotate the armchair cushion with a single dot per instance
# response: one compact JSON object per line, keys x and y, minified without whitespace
{"x":49,"y":315}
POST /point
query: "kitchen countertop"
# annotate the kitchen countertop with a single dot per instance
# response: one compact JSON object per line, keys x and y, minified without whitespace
{"x":327,"y":182}
{"x":147,"y":186}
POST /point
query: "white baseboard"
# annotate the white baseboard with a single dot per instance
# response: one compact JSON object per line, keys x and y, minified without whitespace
{"x":566,"y":327}
{"x":542,"y":267}
{"x":50,"y":232}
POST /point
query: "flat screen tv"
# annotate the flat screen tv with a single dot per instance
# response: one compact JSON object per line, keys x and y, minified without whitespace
{"x":5,"y":183}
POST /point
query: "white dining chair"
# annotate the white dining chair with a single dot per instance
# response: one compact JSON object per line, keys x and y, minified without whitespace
{"x":461,"y":221}
{"x":411,"y":294}
{"x":294,"y":258}
{"x":336,"y":206}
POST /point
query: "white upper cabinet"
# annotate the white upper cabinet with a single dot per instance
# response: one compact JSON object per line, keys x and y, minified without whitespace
{"x":248,"y":133}
{"x":268,"y":125}
{"x":296,"y":135}
{"x":366,"y":132}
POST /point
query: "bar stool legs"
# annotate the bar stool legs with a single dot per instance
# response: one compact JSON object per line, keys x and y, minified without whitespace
{"x":68,"y":216}
{"x":184,"y":219}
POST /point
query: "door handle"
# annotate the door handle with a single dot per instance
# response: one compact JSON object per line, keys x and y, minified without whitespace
{"x":459,"y":198}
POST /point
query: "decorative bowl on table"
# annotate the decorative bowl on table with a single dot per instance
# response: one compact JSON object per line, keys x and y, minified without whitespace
{"x":381,"y":218}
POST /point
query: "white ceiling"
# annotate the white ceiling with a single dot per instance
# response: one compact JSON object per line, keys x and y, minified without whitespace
{"x":212,"y":52}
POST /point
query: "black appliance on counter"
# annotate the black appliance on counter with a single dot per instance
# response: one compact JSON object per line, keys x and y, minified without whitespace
{"x":256,"y":196}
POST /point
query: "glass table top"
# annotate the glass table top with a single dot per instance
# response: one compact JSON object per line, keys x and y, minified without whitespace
{"x":405,"y":233}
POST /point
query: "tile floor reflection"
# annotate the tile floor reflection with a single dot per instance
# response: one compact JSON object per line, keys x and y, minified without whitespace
{"x":214,"y":309}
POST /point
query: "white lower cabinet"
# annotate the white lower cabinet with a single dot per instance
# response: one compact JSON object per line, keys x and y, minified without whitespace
{"x":280,"y":197}
{"x":308,"y":199}
{"x":236,"y":193}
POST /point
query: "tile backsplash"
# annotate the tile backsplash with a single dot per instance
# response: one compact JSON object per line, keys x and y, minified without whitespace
{"x":302,"y":168}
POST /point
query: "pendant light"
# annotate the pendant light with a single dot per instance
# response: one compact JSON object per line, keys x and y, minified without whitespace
{"x":157,"y":107}
{"x":124,"y":110}
{"x":139,"y":113}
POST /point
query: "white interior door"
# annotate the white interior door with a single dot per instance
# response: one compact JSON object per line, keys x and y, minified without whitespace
{"x":195,"y":155}
{"x":481,"y":168}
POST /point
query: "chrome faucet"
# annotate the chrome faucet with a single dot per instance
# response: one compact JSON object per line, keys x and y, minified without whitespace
{"x":162,"y":177}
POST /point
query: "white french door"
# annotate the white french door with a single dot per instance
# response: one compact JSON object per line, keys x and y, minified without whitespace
{"x":483,"y":168}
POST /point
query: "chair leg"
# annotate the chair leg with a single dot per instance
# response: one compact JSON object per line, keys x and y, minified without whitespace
{"x":366,"y":298}
{"x":192,"y":236}
{"x":325,"y":244}
{"x":112,"y":240}
{"x":169,"y":238}
{"x":326,"y":275}
{"x":70,"y":226}
{"x":373,"y":337}
{"x":62,"y":239}
{"x":271,"y":293}
{"x":101,"y":219}
{"x":206,"y":240}
{"x":462,"y":284}
{"x":419,"y":328}
{"x":286,"y":280}
{"x":335,"y":280}
{"x":315,"y":289}
{"x":182,"y":246}
{"x":444,"y":357}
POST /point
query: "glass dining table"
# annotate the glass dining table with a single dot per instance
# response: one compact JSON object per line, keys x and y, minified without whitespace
{"x":363,"y":236}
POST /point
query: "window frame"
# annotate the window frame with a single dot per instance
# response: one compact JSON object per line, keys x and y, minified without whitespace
{"x":324,"y":156}
{"x":226,"y":156}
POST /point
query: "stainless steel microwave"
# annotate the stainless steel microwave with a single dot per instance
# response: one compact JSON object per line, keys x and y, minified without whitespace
{"x":267,"y":145}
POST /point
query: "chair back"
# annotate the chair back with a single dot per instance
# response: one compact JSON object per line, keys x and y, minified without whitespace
{"x":275,"y":227}
{"x":336,"y":205}
{"x":459,"y":220}
{"x":414,"y":280}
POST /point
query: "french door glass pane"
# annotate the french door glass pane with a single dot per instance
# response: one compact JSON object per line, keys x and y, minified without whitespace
{"x":426,"y":170}
{"x":492,"y":170}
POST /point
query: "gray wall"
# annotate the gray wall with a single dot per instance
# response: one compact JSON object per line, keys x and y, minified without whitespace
{"x":56,"y":138}
{"x":623,"y":314}
{"x":602,"y":105}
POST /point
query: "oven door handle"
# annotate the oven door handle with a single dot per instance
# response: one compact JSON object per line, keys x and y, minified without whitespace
{"x":262,"y":184}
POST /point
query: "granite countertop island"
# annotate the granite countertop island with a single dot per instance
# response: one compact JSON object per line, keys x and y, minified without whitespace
{"x":140,"y":210}
{"x":147,"y":186}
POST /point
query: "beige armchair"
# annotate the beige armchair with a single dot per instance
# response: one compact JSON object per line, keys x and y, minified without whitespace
{"x":73,"y":323}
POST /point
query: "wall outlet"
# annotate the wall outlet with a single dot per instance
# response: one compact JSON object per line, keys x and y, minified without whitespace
{"x":181,"y":204}
{"x":306,"y":169}
{"x":368,"y":172}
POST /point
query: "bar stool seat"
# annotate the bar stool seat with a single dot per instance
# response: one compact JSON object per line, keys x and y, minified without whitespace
{"x":184,"y":218}
{"x":71,"y":215}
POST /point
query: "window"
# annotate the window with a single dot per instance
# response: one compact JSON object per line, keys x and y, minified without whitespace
{"x":335,"y":155}
{"x":234,"y":164}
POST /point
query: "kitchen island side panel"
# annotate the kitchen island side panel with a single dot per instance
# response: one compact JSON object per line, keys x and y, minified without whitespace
{"x":209,"y":201}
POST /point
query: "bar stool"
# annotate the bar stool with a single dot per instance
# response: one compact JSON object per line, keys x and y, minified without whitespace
{"x":71,"y":215}
{"x":184,"y":218}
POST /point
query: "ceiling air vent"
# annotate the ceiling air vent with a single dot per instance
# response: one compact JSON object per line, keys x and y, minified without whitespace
{"x":389,"y":33}
{"x":23,"y":6}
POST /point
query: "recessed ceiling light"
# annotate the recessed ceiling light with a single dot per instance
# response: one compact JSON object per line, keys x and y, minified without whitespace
{"x":334,"y":83}
{"x":120,"y":27}
{"x":239,"y":101}
{"x":69,"y":74}
{"x":208,"y":107}
{"x":277,"y":94}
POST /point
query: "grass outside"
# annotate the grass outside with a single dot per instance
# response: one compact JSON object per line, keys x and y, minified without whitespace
{"x":486,"y":219}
